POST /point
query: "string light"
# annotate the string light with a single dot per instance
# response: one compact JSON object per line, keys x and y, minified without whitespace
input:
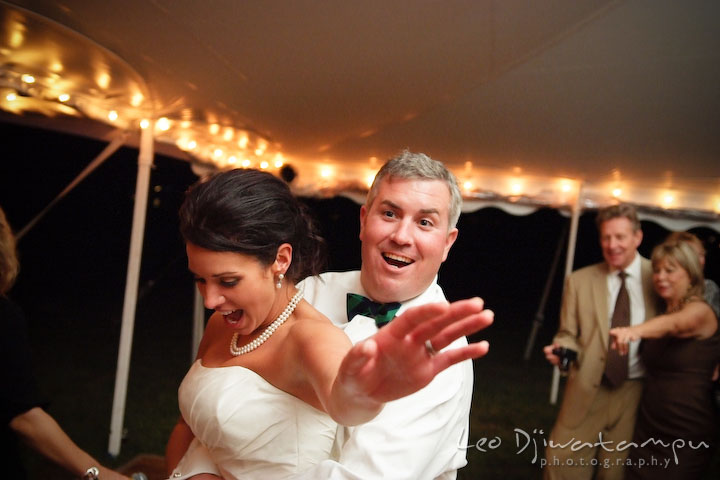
{"x":103,"y":80}
{"x":17,"y":37}
{"x":616,"y":191}
{"x":137,"y":99}
{"x":261,"y":147}
{"x":326,"y":172}
{"x":668,"y":199}
{"x":516,"y":187}
{"x":112,"y":115}
{"x":163,"y":124}
{"x":279,"y":162}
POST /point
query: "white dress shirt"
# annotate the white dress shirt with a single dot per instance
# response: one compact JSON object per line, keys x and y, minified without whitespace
{"x":633,"y":284}
{"x":416,"y":437}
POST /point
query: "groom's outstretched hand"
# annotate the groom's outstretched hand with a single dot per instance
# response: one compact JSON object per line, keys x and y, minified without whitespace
{"x":405,"y":355}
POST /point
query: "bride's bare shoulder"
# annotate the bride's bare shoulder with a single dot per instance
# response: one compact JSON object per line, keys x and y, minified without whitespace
{"x":311,"y":326}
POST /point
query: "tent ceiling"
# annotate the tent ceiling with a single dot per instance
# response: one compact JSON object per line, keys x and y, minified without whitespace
{"x":577,"y":88}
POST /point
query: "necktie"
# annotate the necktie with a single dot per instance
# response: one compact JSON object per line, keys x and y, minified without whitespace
{"x":381,"y":312}
{"x":616,"y":367}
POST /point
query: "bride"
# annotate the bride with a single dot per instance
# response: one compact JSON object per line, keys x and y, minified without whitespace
{"x":273,"y":377}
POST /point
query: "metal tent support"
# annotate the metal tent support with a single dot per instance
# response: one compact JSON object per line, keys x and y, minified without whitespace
{"x":198,"y":323}
{"x":540,"y":313}
{"x":116,"y":143}
{"x":569,"y":263}
{"x":145,"y":160}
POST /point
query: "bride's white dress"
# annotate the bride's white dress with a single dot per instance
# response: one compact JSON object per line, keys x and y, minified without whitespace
{"x":251,"y":428}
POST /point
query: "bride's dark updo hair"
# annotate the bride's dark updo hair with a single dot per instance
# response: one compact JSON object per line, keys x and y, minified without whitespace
{"x":252,"y":212}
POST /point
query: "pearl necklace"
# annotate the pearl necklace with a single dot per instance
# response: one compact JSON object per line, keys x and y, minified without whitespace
{"x":235,"y":350}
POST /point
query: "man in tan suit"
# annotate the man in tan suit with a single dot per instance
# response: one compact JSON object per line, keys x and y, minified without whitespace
{"x":598,"y":409}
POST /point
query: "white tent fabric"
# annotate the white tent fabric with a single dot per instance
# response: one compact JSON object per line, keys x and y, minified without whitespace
{"x":593,"y":90}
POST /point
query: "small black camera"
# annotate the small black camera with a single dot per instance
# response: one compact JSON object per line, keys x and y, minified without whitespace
{"x":567,"y":356}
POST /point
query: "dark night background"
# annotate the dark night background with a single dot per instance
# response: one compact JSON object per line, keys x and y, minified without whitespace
{"x":74,"y":260}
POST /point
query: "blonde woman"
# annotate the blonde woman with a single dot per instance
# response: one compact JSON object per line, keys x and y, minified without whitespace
{"x":676,"y":420}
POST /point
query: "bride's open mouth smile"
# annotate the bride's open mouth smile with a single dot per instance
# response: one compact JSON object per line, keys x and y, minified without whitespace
{"x":233,"y":317}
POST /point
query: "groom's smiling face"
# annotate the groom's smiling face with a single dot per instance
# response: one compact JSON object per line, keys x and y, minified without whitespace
{"x":405,"y":237}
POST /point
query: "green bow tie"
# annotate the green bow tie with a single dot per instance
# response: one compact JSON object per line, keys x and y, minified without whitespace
{"x":381,"y":312}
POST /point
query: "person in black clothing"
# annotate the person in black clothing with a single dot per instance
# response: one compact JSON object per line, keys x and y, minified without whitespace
{"x":21,"y":408}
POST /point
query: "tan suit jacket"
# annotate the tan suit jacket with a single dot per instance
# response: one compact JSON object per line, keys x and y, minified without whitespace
{"x":584,"y":327}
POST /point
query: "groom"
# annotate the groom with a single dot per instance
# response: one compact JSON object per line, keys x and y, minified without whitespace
{"x":407,"y":227}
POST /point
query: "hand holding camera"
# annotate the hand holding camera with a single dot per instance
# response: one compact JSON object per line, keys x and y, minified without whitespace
{"x":566,"y":356}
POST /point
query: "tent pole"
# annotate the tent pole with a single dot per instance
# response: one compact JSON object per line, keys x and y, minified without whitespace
{"x":145,"y":160}
{"x":117,"y":142}
{"x":572,"y":235}
{"x":540,"y":313}
{"x":198,"y":323}
{"x":569,"y":264}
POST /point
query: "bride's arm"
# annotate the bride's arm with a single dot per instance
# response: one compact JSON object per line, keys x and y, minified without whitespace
{"x":321,"y":349}
{"x":186,"y":458}
{"x":177,"y":444}
{"x":182,"y":436}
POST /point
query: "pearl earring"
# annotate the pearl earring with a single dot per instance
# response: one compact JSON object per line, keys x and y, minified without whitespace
{"x":278,"y":285}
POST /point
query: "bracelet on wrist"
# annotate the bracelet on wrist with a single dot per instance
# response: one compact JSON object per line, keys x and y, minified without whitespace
{"x":91,"y":473}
